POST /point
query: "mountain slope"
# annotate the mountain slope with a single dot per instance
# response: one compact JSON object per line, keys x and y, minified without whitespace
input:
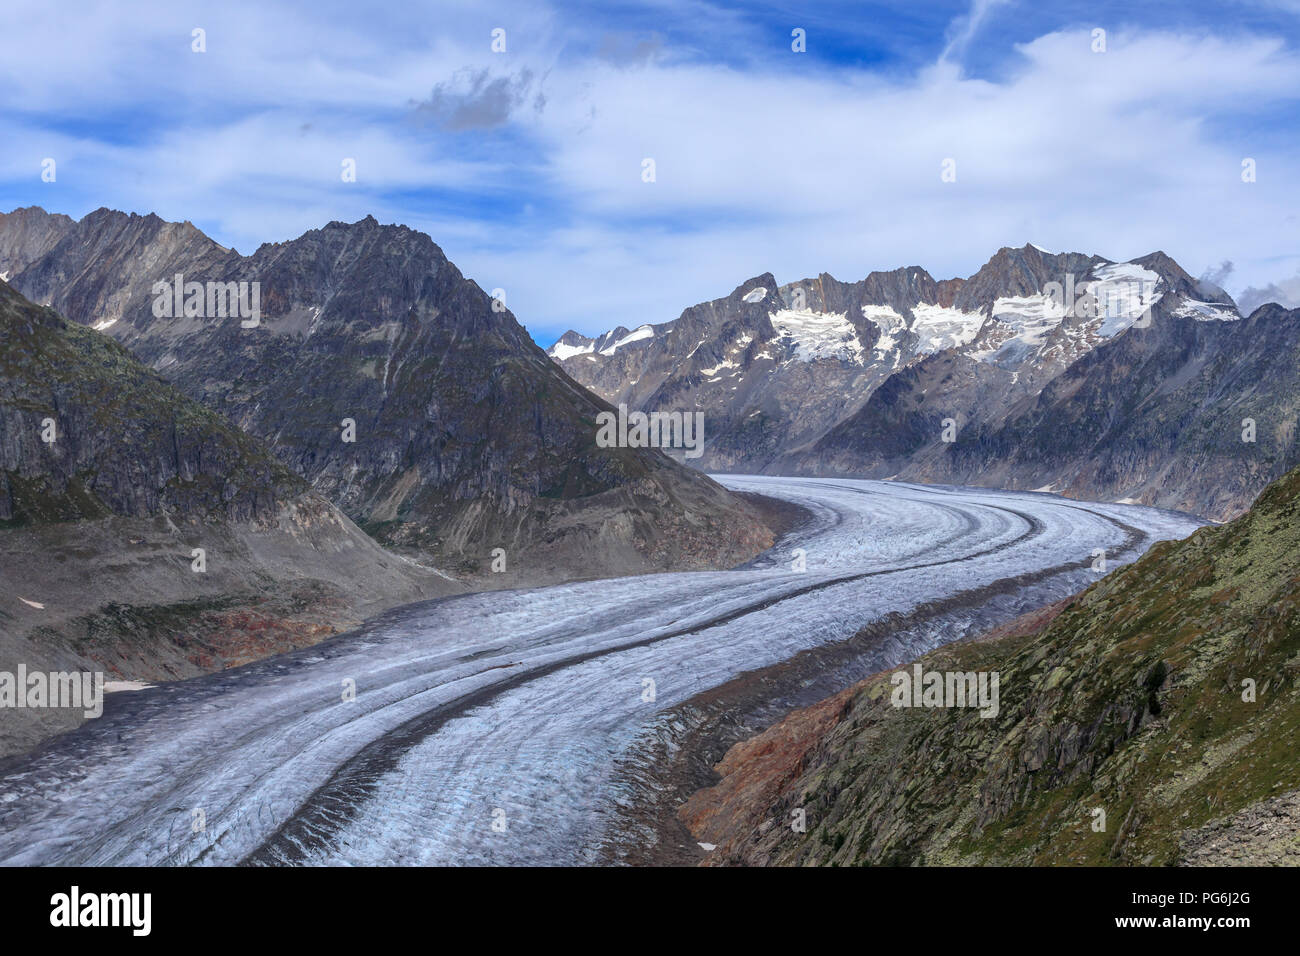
{"x":1161,"y":415}
{"x":27,"y":234}
{"x":773,"y":367}
{"x":467,"y":438}
{"x":777,"y":368}
{"x":110,"y":479}
{"x":1100,"y":379}
{"x":1165,"y":696}
{"x":90,"y":433}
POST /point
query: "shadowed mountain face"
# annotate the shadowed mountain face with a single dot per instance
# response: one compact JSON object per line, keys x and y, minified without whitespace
{"x":89,"y":432}
{"x":1149,"y":721}
{"x":1191,"y":415}
{"x":1096,"y":378}
{"x":398,"y":389}
{"x":143,"y":535}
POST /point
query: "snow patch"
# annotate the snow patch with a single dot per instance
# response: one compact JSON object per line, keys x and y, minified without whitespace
{"x":1206,"y":311}
{"x":1124,"y":292}
{"x":755,"y":295}
{"x":561,"y":351}
{"x":636,"y":335}
{"x":818,"y":335}
{"x":944,"y":328}
{"x":936,"y":327}
{"x":1030,"y":317}
{"x":884,"y":316}
{"x":124,"y":686}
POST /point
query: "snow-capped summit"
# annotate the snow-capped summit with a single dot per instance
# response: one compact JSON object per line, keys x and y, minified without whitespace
{"x":779,"y":367}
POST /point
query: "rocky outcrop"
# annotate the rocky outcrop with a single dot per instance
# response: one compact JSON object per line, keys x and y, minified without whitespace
{"x":1264,"y":834}
{"x":756,"y":773}
{"x":89,"y":432}
{"x":1150,"y":720}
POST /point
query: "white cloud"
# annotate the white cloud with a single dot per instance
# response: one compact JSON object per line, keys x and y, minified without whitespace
{"x":763,"y":168}
{"x":1106,"y":153}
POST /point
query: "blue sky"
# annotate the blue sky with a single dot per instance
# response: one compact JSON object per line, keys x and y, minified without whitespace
{"x":526,"y":165}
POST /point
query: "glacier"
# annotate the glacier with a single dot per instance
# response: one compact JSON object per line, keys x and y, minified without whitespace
{"x":486,"y":728}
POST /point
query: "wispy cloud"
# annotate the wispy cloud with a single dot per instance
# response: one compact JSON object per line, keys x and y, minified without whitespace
{"x":1285,"y":292}
{"x":964,"y":29}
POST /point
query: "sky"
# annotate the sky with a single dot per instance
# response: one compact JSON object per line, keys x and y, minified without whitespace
{"x":523,"y":153}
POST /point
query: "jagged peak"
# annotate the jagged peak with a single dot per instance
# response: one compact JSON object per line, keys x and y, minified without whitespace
{"x":904,"y":271}
{"x":105,"y":214}
{"x":765,"y":281}
{"x":366,"y":222}
{"x":1162,"y":263}
{"x":368,"y":227}
{"x":33,"y":210}
{"x":573,"y":337}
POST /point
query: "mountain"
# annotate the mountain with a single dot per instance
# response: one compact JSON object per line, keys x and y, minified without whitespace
{"x":1161,"y":415}
{"x":1099,"y":379}
{"x":110,"y":479}
{"x":26,"y":235}
{"x":1151,"y":720}
{"x":466,"y":438}
{"x":771,"y":366}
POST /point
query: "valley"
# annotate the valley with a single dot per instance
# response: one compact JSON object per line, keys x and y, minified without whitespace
{"x":375,"y":580}
{"x":500,"y":727}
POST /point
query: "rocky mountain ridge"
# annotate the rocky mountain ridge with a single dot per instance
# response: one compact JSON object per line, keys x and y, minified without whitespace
{"x":976,"y":380}
{"x":395,"y":386}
